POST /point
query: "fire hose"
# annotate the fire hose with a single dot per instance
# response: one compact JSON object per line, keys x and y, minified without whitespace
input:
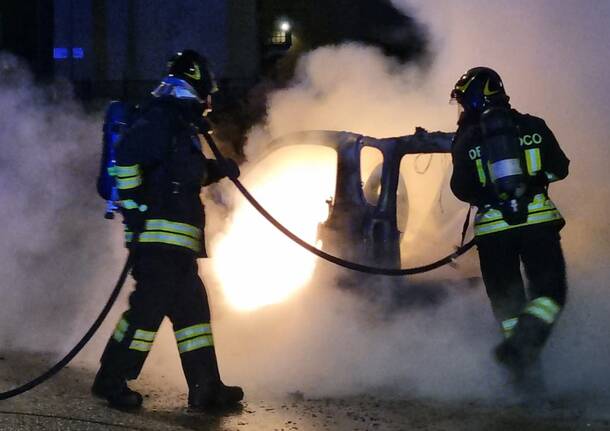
{"x":326,"y":256}
{"x":329,"y":257}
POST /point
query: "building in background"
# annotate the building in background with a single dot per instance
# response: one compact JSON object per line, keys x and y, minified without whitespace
{"x":315,"y":23}
{"x":118,"y":48}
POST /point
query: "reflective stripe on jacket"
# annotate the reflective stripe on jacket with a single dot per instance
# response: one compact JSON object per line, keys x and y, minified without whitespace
{"x":540,"y":210}
{"x":160,"y":171}
{"x":542,"y":159}
{"x":168,"y":232}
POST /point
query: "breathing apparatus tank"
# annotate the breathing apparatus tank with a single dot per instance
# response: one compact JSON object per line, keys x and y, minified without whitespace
{"x":115,"y":124}
{"x":503,"y":158}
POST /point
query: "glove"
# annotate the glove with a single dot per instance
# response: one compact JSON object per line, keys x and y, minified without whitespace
{"x":134,"y":219}
{"x":231,"y":169}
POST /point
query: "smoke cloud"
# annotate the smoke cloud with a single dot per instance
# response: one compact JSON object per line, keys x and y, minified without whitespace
{"x":59,"y":256}
{"x":551,"y":62}
{"x":57,"y":250}
{"x":326,"y":342}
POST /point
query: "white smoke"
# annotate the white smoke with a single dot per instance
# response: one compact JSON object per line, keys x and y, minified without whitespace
{"x":330,"y":343}
{"x":58,"y":250}
{"x":550,"y":57}
{"x":56,"y":246}
{"x":327,"y":342}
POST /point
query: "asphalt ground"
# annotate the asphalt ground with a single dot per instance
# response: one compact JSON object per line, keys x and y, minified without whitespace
{"x":65,"y":403}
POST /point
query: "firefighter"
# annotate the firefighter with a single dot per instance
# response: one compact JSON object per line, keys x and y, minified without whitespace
{"x":503,"y":162}
{"x":160,"y":171}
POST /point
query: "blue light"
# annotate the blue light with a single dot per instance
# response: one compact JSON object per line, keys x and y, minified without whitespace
{"x":60,"y":53}
{"x":78,"y":53}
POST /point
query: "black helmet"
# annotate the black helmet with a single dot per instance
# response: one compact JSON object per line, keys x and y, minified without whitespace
{"x":194,"y":69}
{"x":478,"y":89}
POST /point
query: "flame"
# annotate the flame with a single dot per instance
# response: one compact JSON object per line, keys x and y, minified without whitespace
{"x":256,"y":264}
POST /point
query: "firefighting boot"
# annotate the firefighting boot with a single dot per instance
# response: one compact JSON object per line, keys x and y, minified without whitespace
{"x":115,"y":391}
{"x":207,"y":392}
{"x":510,"y":357}
{"x":117,"y":366}
{"x":520,"y":354}
{"x":214,"y":396}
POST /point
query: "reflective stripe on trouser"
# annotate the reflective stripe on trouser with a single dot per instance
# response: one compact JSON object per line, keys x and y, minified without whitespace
{"x":508,"y":326}
{"x":121,"y":328}
{"x":194,"y":337}
{"x":142,"y":340}
{"x":169,"y":232}
{"x":540,"y":210}
{"x":543,"y":308}
{"x":167,"y":284}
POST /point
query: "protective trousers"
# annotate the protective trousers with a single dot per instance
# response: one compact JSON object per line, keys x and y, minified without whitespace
{"x":526,"y":317}
{"x":167,"y":284}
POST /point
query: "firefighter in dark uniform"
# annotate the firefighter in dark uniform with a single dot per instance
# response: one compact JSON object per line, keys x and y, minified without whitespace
{"x":514,"y":225}
{"x":160,"y":171}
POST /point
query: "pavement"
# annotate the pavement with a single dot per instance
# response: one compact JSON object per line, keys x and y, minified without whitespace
{"x":64,"y":403}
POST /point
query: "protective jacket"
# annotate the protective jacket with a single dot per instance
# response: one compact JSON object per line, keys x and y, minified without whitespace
{"x":160,"y":169}
{"x":543,"y":160}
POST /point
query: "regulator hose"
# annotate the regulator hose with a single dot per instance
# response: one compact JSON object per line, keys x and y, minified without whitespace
{"x":329,"y":257}
{"x":88,"y":335}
